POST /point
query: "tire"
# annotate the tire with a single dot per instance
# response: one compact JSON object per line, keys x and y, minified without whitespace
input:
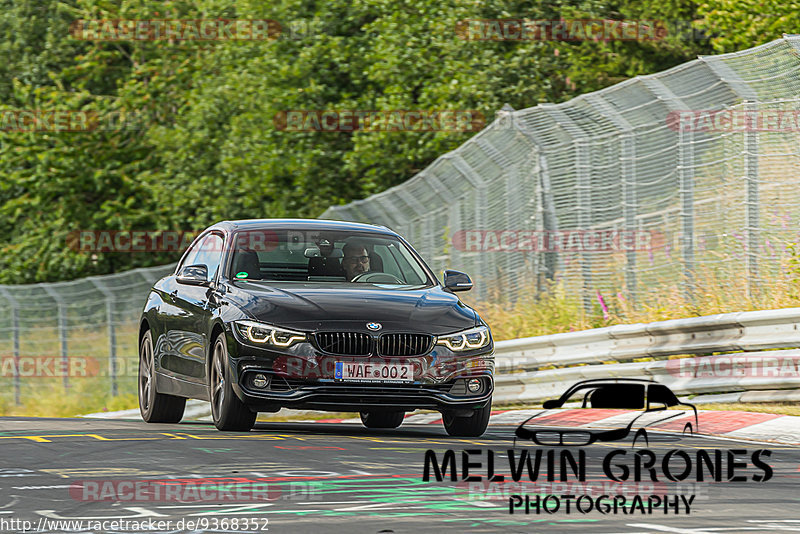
{"x":382,"y":419}
{"x":227,"y":411}
{"x":471,"y":426}
{"x":155,"y":407}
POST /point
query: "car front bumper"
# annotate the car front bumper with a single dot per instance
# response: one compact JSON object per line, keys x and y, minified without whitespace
{"x":349,"y":397}
{"x":302,"y":377}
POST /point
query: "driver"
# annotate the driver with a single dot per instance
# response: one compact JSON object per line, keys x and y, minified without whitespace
{"x":355,"y":260}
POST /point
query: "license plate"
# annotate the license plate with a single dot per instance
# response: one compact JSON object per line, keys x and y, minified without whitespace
{"x":374,"y":372}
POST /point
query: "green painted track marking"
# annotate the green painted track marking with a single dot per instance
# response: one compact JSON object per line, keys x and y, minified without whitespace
{"x":499,"y":522}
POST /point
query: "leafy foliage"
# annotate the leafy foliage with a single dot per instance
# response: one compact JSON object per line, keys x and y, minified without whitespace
{"x":738,"y":24}
{"x":208,"y":148}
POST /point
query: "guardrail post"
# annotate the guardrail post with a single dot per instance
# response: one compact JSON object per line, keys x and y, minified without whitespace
{"x":454,"y":225}
{"x":545,"y":215}
{"x":539,"y":264}
{"x":549,"y":217}
{"x":751,"y":204}
{"x":685,"y":179}
{"x":686,"y":192}
{"x":481,"y":205}
{"x":540,"y":271}
{"x":583,"y":207}
{"x":627,"y":171}
{"x":629,"y":207}
{"x":112,"y":344}
{"x":62,"y":332}
{"x":15,"y":342}
{"x":584,"y":211}
{"x":15,"y":333}
{"x":112,"y":335}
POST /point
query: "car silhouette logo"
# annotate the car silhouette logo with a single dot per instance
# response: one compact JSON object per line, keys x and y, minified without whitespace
{"x":646,"y":401}
{"x":374,"y":326}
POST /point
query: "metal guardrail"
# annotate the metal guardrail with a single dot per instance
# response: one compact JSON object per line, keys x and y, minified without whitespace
{"x":537,"y":368}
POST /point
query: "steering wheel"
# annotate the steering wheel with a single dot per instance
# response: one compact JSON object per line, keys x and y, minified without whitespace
{"x":377,"y":277}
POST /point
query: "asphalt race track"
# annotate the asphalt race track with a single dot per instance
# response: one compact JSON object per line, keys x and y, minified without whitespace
{"x":327,"y":477}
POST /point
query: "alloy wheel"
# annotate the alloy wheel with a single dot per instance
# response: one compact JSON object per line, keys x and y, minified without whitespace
{"x":146,"y":373}
{"x":218,"y":380}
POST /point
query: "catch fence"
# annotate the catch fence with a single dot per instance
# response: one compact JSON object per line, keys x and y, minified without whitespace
{"x":658,"y":184}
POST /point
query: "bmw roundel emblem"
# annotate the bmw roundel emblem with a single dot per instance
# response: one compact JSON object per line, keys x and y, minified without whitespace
{"x":374,"y":326}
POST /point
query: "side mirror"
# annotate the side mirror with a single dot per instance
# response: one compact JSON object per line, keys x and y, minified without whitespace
{"x":457,"y":281}
{"x":551,"y":404}
{"x":193,"y":275}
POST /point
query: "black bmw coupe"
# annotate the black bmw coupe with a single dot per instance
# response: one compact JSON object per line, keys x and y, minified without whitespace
{"x":324,"y":315}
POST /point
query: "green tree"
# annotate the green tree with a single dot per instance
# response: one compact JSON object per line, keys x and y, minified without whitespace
{"x":209,"y":149}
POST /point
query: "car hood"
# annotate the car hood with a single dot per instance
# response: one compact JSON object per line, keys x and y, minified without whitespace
{"x":314,"y":307}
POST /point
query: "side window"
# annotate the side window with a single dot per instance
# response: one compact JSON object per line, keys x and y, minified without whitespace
{"x":208,"y":252}
{"x":189,"y":259}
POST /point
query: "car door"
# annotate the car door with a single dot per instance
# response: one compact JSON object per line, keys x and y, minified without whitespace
{"x":186,"y":327}
{"x":167,"y":313}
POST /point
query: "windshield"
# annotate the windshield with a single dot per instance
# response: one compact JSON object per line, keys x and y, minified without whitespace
{"x":330,"y":256}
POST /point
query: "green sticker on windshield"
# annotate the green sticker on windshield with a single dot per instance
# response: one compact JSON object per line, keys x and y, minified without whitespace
{"x":241,"y":275}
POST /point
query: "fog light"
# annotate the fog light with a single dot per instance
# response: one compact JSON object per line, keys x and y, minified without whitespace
{"x":474,"y":385}
{"x":260,"y":381}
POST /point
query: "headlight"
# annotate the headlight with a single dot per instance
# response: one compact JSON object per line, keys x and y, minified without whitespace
{"x":266,"y":334}
{"x":471,"y":339}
